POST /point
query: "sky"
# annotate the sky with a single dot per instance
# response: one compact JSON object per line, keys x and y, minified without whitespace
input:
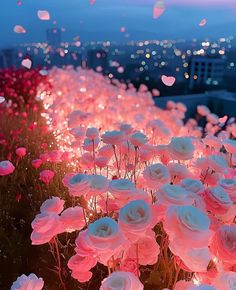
{"x":103,"y":20}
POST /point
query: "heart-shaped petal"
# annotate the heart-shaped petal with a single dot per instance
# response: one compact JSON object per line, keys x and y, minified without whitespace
{"x":168,"y":81}
{"x":158,"y":9}
{"x":2,"y":99}
{"x":26,"y":63}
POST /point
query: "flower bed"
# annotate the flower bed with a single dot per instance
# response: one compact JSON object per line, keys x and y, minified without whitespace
{"x":147,"y":201}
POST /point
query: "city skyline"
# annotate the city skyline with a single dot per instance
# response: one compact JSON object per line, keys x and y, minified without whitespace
{"x":103,"y":20}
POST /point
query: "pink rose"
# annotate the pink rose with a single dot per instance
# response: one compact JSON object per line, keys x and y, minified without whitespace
{"x":78,"y":133}
{"x":67,"y":156}
{"x":6,"y":168}
{"x":156,"y":174}
{"x":145,"y":154}
{"x":160,"y":129}
{"x":90,"y":144}
{"x":37,"y":163}
{"x":86,"y":161}
{"x":81,"y":264}
{"x":104,"y":233}
{"x":46,"y":176}
{"x":82,"y":247}
{"x":92,"y":133}
{"x":101,"y":161}
{"x":121,"y":281}
{"x":217,"y":200}
{"x":170,"y":105}
{"x":223,"y":244}
{"x":44,"y":157}
{"x":212,"y":142}
{"x":53,"y":205}
{"x":181,"y":148}
{"x":170,"y":194}
{"x":79,"y":184}
{"x":45,"y":227}
{"x":203,"y":110}
{"x":230,"y":146}
{"x":208,"y":276}
{"x":121,"y":189}
{"x":76,"y":118}
{"x":98,"y":184}
{"x":54,"y":156}
{"x":146,"y":249}
{"x":217,"y":163}
{"x":72,"y":219}
{"x":135,"y":219}
{"x":189,"y":223}
{"x":181,"y":107}
{"x":195,"y":259}
{"x":225,"y":281}
{"x":138,"y":139}
{"x":164,"y":154}
{"x":82,"y":277}
{"x":229,"y":185}
{"x":67,"y":177}
{"x":113,"y":137}
{"x":106,"y":151}
{"x":212,"y":118}
{"x":31,"y":282}
{"x":21,"y":151}
{"x":192,"y":185}
{"x":178,"y":172}
{"x":105,"y":237}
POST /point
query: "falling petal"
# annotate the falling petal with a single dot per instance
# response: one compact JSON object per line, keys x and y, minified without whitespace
{"x":26,"y":63}
{"x":2,"y":99}
{"x":43,"y":72}
{"x":156,"y":93}
{"x":168,"y":81}
{"x":122,"y":29}
{"x":19,"y":29}
{"x":43,"y":15}
{"x":223,"y":119}
{"x":92,"y":2}
{"x":158,"y":9}
{"x":203,"y":22}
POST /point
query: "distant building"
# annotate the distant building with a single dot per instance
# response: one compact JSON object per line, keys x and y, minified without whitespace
{"x":205,"y":71}
{"x":76,"y":59}
{"x":9,"y":57}
{"x":97,"y":59}
{"x":220,"y":102}
{"x":1,"y":61}
{"x":60,"y":59}
{"x":54,"y":37}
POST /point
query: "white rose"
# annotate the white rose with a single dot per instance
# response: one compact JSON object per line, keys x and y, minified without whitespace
{"x":181,"y":148}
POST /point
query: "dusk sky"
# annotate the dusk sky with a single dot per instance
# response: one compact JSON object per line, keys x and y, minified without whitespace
{"x":103,"y":20}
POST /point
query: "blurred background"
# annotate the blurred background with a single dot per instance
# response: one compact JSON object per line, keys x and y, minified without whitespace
{"x":134,"y":41}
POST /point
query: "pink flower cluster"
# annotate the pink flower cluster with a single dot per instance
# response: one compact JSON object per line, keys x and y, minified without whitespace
{"x":137,"y":168}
